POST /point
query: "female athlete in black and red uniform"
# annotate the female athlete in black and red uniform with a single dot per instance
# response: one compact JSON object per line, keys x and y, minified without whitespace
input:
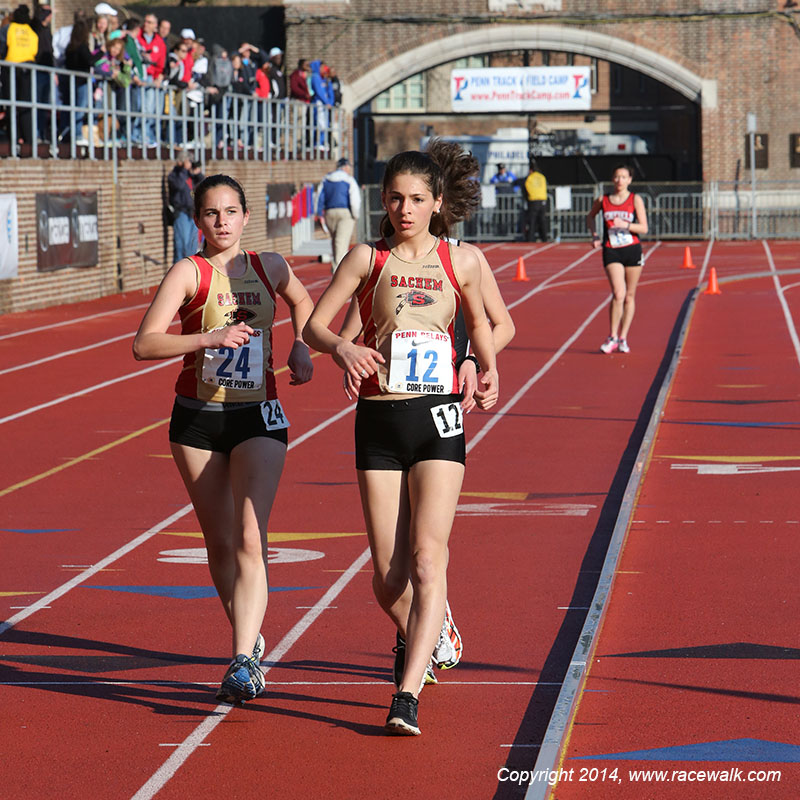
{"x":410,"y":448}
{"x":228,"y":429}
{"x":624,"y":220}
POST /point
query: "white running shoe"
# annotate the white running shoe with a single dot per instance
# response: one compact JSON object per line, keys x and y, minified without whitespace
{"x":258,"y":649}
{"x":449,"y":648}
{"x":610,"y":345}
{"x":623,"y":346}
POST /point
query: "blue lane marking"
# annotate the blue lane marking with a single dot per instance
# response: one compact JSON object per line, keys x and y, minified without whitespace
{"x":755,"y":751}
{"x":735,"y":424}
{"x":37,"y":530}
{"x":186,"y":592}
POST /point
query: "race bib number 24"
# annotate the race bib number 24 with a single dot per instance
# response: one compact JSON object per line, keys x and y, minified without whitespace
{"x":235,"y":368}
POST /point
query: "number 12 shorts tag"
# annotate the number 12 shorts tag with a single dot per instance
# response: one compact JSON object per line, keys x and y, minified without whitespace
{"x":448,"y":420}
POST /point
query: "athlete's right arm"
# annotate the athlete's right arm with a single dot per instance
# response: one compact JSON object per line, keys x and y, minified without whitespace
{"x":359,"y":361}
{"x":152,"y":340}
{"x":593,"y":211}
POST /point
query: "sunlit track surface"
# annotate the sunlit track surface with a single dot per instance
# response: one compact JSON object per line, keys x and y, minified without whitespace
{"x":106,"y":686}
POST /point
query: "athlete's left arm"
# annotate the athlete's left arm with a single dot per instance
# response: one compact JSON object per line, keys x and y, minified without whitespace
{"x":288,"y":286}
{"x":640,"y":226}
{"x":468,"y":271}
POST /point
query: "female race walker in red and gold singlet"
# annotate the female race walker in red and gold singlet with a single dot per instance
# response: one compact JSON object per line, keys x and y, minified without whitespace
{"x":624,"y":220}
{"x":228,"y":429}
{"x":410,"y":448}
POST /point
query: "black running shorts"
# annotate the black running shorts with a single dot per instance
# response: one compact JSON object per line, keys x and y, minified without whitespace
{"x":396,"y":434}
{"x":630,"y":256}
{"x":220,"y":431}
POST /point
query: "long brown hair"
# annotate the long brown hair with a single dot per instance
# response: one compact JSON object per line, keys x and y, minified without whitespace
{"x":449,"y":171}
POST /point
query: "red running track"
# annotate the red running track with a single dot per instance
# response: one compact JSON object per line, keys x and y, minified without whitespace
{"x":114,"y":642}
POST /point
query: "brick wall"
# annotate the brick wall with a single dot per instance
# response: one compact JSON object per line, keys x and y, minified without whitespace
{"x":750,"y":47}
{"x":129,"y":213}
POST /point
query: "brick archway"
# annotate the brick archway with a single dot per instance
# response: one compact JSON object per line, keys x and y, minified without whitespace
{"x":530,"y":37}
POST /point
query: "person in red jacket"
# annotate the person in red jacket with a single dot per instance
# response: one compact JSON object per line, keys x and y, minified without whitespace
{"x":298,"y":82}
{"x":155,"y":49}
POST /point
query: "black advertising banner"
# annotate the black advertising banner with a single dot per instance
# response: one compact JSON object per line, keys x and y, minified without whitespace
{"x":279,"y":209}
{"x":66,"y":230}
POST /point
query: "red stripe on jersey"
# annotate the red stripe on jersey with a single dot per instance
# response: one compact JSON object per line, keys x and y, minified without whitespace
{"x":443,"y":251}
{"x":370,"y":386}
{"x":191,"y":316}
{"x":271,"y":388}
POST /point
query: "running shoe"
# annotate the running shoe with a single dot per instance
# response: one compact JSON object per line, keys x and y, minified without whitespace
{"x":244,"y":680}
{"x":610,"y":345}
{"x":402,"y":719}
{"x":623,"y":346}
{"x":399,"y":651}
{"x":258,"y":649}
{"x":449,"y":648}
{"x":430,"y":676}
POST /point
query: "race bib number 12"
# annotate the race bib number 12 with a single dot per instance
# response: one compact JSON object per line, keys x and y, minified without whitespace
{"x":421,"y":363}
{"x":235,"y":368}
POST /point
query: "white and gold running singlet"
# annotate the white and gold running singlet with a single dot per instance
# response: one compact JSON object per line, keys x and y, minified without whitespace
{"x":407,"y":312}
{"x":225,"y":375}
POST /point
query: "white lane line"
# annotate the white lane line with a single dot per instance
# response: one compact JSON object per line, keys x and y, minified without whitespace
{"x":787,"y":314}
{"x":77,"y":350}
{"x":205,"y":728}
{"x":87,"y":390}
{"x":65,"y":353}
{"x":93,"y":570}
{"x":60,"y":324}
{"x":103,"y":385}
{"x":134,"y":543}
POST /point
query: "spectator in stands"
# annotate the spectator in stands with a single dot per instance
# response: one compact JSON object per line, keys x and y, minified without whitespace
{"x":116,"y":69}
{"x":133,"y":50}
{"x":241,"y":88}
{"x":180,"y":185}
{"x":44,"y":57}
{"x":276,"y":74}
{"x":100,"y":29}
{"x":61,"y":38}
{"x":165,"y":32}
{"x":155,"y":51}
{"x":322,"y":97}
{"x":503,"y":176}
{"x":339,"y":202}
{"x":298,"y":82}
{"x":199,"y":72}
{"x":19,"y":44}
{"x":218,"y":84}
{"x":179,"y":77}
{"x":188,"y":38}
{"x":336,"y":86}
{"x":78,"y":58}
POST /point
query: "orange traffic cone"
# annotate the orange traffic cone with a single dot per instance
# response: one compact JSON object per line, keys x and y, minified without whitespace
{"x":713,"y":286}
{"x":687,"y":259}
{"x":521,"y":274}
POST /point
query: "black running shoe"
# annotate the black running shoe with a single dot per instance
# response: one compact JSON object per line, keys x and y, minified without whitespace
{"x":399,"y":651}
{"x":402,"y":719}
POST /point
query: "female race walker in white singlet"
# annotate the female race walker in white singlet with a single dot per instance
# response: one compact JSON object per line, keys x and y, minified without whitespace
{"x":624,"y":220}
{"x":409,"y":423}
{"x":228,"y":429}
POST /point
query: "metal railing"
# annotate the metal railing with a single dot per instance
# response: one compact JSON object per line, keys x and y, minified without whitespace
{"x":57,"y":113}
{"x":674,"y":211}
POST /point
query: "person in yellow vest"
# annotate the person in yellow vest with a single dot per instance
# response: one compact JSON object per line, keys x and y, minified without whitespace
{"x":19,"y":44}
{"x":535,"y":220}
